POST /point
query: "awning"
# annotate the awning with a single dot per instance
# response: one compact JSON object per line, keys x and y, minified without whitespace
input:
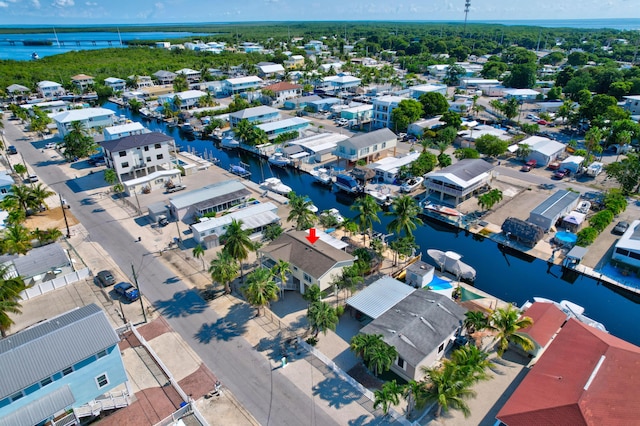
{"x":574,"y":218}
{"x":299,"y":155}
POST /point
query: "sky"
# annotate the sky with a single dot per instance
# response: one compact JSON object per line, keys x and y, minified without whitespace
{"x":74,"y":12}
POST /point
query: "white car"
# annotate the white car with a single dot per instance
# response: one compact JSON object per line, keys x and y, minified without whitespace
{"x":342,"y":122}
{"x":50,"y":145}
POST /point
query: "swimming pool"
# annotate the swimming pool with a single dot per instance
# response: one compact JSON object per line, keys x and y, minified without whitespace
{"x":438,"y":283}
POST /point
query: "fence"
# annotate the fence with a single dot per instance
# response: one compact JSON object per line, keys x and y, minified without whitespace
{"x":110,"y":401}
{"x":58,"y":282}
{"x":188,"y":409}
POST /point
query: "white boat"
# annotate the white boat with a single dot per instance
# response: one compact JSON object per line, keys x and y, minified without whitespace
{"x":279,"y":160}
{"x":335,"y":213}
{"x":229,"y":142}
{"x":584,"y":207}
{"x":437,"y":208}
{"x":572,"y":310}
{"x":348,"y":183}
{"x":312,"y":207}
{"x":322,"y":176}
{"x":145,"y":113}
{"x":381,"y":194}
{"x":275,"y":185}
{"x":411,"y":184}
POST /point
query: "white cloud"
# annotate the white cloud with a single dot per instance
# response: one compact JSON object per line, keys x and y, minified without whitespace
{"x":63,"y":3}
{"x":159,"y":5}
{"x":89,"y":3}
{"x":36,"y":3}
{"x":4,"y":4}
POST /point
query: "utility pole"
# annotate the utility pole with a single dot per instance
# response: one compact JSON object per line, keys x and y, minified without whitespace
{"x":467,"y":5}
{"x":64,"y":214}
{"x":135,"y":280}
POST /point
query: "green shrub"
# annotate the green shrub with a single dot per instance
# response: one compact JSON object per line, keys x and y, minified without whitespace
{"x":339,"y":310}
{"x":601,"y":220}
{"x":587,"y":236}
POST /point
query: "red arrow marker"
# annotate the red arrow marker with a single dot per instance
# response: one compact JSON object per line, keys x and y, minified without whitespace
{"x":312,"y":236}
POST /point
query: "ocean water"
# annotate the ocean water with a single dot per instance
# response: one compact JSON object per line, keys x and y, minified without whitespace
{"x":616,"y":24}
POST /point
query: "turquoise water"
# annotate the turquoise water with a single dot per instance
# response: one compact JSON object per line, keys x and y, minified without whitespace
{"x":438,"y":283}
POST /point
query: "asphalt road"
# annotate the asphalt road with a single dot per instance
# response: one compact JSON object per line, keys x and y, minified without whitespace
{"x":269,"y":395}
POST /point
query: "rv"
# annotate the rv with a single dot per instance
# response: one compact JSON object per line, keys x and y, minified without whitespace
{"x":594,"y":169}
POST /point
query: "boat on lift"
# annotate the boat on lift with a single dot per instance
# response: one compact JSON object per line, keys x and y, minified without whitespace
{"x":437,"y":208}
{"x":279,"y":160}
{"x":322,"y":175}
{"x":275,"y":185}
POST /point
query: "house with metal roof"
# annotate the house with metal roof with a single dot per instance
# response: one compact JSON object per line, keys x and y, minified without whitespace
{"x":93,"y":119}
{"x":584,"y":377}
{"x":547,"y":213}
{"x":387,"y":168}
{"x":41,"y":264}
{"x":50,"y":89}
{"x":275,"y":128}
{"x":458,"y":182}
{"x":300,"y":102}
{"x":317,"y":263}
{"x":122,"y":130}
{"x":116,"y":84}
{"x":208,"y":199}
{"x":341,"y":82}
{"x":421,"y":89}
{"x":548,"y":319}
{"x":60,"y":368}
{"x":270,"y":69}
{"x":254,"y":217}
{"x":321,"y":146}
{"x":368,"y":146}
{"x":543,"y":150}
{"x":164,"y":77}
{"x":378,"y":297}
{"x":256,"y":115}
{"x":237,"y":85}
{"x":422,"y":326}
{"x":139,"y":155}
{"x":423,"y":124}
{"x":627,"y":248}
{"x":188,"y":99}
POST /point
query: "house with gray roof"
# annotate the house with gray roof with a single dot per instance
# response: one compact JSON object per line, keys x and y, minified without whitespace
{"x":164,"y":77}
{"x":58,"y":367}
{"x":255,"y":115}
{"x":311,"y":264}
{"x":422,"y":327}
{"x":547,"y":213}
{"x":139,"y":154}
{"x":368,"y":146}
{"x":208,"y":199}
{"x":458,"y":182}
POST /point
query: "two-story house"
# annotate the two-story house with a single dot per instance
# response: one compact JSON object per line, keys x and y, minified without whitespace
{"x":192,"y":76}
{"x":164,"y":77}
{"x":93,"y":119}
{"x":233,"y":86}
{"x":116,"y":84}
{"x":188,"y":99}
{"x":83,"y":81}
{"x":318,"y":263}
{"x":456,"y":183}
{"x":368,"y":146}
{"x":139,"y":154}
{"x":382,"y":107}
{"x":122,"y":130}
{"x":50,"y":89}
{"x":341,"y":82}
{"x":294,"y":62}
{"x":283,"y":91}
{"x":56,"y":368}
{"x":141,"y":81}
{"x":632,"y":104}
{"x":255,"y":115}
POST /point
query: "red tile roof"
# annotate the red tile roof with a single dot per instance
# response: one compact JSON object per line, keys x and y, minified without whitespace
{"x":585,"y":377}
{"x":547,"y":320}
{"x":281,"y":87}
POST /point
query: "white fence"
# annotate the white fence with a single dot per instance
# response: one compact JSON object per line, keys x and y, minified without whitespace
{"x":58,"y":282}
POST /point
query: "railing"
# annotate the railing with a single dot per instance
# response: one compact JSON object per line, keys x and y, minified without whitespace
{"x":181,"y":413}
{"x":68,"y":420}
{"x":108,"y":402}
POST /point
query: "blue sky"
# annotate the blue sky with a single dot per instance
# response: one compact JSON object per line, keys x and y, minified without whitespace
{"x":61,"y":12}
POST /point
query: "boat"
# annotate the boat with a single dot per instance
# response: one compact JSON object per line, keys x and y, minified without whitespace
{"x":172,"y":124}
{"x":312,"y":207}
{"x":450,"y":262}
{"x":274,"y":184}
{"x":239,"y":171}
{"x":381,"y":194}
{"x":412,"y":183}
{"x":584,"y":207}
{"x":322,"y":175}
{"x":145,"y":113}
{"x":440,"y":209}
{"x":229,"y":142}
{"x":335,"y":213}
{"x":279,"y":160}
{"x":348,"y":184}
{"x":572,"y":310}
{"x":186,"y":127}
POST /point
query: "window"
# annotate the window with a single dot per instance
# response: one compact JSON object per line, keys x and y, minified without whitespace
{"x":67,"y":371}
{"x":45,"y":382}
{"x":307,"y":278}
{"x":441,"y":347}
{"x":384,"y":145}
{"x":101,"y":354}
{"x":148,"y":159}
{"x":122,"y":153}
{"x":16,"y":396}
{"x":401,"y":363}
{"x":157,"y":146}
{"x":160,"y":156}
{"x":146,"y":148}
{"x":125,"y":165}
{"x":4,"y":191}
{"x":102,"y":380}
{"x":295,"y":268}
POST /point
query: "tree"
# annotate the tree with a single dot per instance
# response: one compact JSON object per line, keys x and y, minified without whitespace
{"x":453,"y":74}
{"x":39,"y":194}
{"x":299,"y":212}
{"x":592,"y":140}
{"x":404,"y":210}
{"x":491,"y":145}
{"x":452,"y":119}
{"x":448,"y":388}
{"x":490,"y":199}
{"x":523,"y":151}
{"x":237,"y":243}
{"x":20,"y":197}
{"x":198,"y":252}
{"x":424,"y":164}
{"x":522,"y":76}
{"x":223,"y":269}
{"x":281,"y":269}
{"x":273,"y":231}
{"x":180,"y":84}
{"x":322,"y":317}
{"x":407,"y":112}
{"x":387,"y":396}
{"x":312,"y":294}
{"x":375,"y":352}
{"x":413,"y":392}
{"x":475,"y":321}
{"x":462,"y":153}
{"x":78,"y":143}
{"x":10,"y":289}
{"x":566,"y":111}
{"x":367,"y":210}
{"x":110,"y":176}
{"x":16,"y":240}
{"x":444,"y":160}
{"x":530,"y":128}
{"x":20,"y":169}
{"x":506,"y":323}
{"x":622,"y":138}
{"x":615,"y":201}
{"x":577,"y":59}
{"x":260,"y":289}
{"x":433,"y":103}
{"x":472,"y":362}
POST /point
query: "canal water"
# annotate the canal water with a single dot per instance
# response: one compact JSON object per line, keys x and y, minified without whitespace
{"x":509,"y":276}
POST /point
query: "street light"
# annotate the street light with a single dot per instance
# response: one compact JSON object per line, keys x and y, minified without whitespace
{"x":64,"y":214}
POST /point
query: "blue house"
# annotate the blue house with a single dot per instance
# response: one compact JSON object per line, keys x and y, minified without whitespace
{"x":255,"y":115}
{"x":55,"y":368}
{"x":6,"y":182}
{"x":275,"y":128}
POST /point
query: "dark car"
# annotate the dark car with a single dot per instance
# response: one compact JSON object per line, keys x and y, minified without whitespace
{"x":525,"y":168}
{"x":127,"y":290}
{"x":105,"y":278}
{"x":561,"y":174}
{"x":620,"y":228}
{"x":12,"y":150}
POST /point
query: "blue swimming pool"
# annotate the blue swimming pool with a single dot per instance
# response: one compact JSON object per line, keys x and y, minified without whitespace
{"x":438,"y":283}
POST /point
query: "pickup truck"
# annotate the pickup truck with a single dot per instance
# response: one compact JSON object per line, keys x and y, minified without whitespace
{"x":127,"y":290}
{"x":176,"y":188}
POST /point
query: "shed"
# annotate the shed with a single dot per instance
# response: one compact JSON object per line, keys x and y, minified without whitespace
{"x":526,"y":233}
{"x":156,"y":210}
{"x":543,"y":150}
{"x":547,"y":213}
{"x":573,"y":163}
{"x":574,"y":257}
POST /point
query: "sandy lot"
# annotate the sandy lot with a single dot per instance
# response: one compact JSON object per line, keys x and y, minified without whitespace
{"x":52,"y":218}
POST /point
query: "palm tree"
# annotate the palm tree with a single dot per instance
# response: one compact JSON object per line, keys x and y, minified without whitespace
{"x":223,"y":269}
{"x":368,"y":210}
{"x":244,"y":130}
{"x":198,"y":252}
{"x":322,"y":317}
{"x":506,"y":322}
{"x":592,"y":139}
{"x":523,"y":151}
{"x":237,"y":243}
{"x":21,"y":196}
{"x":39,"y":193}
{"x":490,"y":199}
{"x":475,"y":321}
{"x":622,"y":138}
{"x":381,"y":358}
{"x":472,"y":362}
{"x":110,"y":176}
{"x":281,"y":269}
{"x":404,"y":210}
{"x":412,"y":392}
{"x":260,"y":289}
{"x":10,"y":289}
{"x":312,"y":294}
{"x":17,"y":239}
{"x":299,"y":211}
{"x":387,"y":396}
{"x":448,"y":388}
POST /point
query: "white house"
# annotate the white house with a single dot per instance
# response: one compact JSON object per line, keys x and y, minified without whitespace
{"x":188,"y":98}
{"x":368,"y":146}
{"x":50,"y":89}
{"x":438,"y":71}
{"x":122,"y":130}
{"x":382,"y":107}
{"x":270,"y":69}
{"x":139,"y":154}
{"x":50,"y":107}
{"x":336,"y":66}
{"x":341,"y":82}
{"x":459,"y":181}
{"x":423,"y":124}
{"x":237,"y":85}
{"x":275,"y":128}
{"x":260,"y":114}
{"x":141,"y":81}
{"x":469,"y":83}
{"x":116,"y":84}
{"x":164,"y":77}
{"x":93,"y":119}
{"x":284,"y":91}
{"x":543,"y":150}
{"x":468,"y":136}
{"x":419,"y":90}
{"x":321,"y":146}
{"x":387,"y":168}
{"x":192,"y":76}
{"x":255,"y":218}
{"x":521,"y":94}
{"x":213,"y":198}
{"x":627,"y":249}
{"x":82,"y":81}
{"x":632,"y":104}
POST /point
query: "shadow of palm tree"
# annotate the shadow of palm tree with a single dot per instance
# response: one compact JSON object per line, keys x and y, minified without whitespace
{"x":184,"y":303}
{"x":365,"y":420}
{"x":336,"y":392}
{"x":231,"y":326}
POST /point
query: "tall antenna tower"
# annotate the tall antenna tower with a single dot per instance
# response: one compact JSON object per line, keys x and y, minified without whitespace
{"x":467,"y":5}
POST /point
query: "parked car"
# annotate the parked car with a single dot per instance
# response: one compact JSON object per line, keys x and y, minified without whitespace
{"x":342,"y":122}
{"x":50,"y":145}
{"x":526,"y":168}
{"x":554,"y":165}
{"x":543,"y":122}
{"x":32,"y":178}
{"x":561,"y":174}
{"x":127,"y":290}
{"x":533,"y":117}
{"x":531,"y":163}
{"x":620,"y":228}
{"x":105,"y":278}
{"x":176,"y":188}
{"x":12,"y":150}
